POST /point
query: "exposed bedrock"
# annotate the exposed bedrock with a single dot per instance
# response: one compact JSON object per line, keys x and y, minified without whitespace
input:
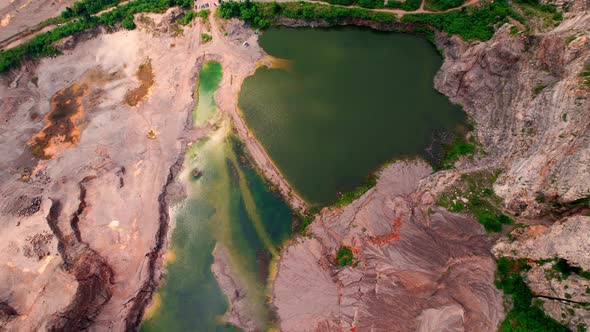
{"x":531,"y":107}
{"x":563,"y":297}
{"x":415,"y":266}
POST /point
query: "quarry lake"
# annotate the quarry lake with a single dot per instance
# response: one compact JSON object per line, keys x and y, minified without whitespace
{"x":343,"y":101}
{"x":230,"y":209}
{"x":336,"y":105}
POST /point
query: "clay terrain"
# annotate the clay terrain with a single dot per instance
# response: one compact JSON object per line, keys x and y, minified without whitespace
{"x":91,"y":142}
{"x":418,"y":267}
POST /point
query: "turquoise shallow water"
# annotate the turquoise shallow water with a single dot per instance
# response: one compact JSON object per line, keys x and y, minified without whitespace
{"x":349,"y":100}
{"x":229,"y":205}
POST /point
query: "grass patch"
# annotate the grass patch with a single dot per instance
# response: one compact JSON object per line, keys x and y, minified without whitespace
{"x":538,"y":88}
{"x":469,"y":23}
{"x":438,"y":5}
{"x":187,"y":18}
{"x":585,"y":75}
{"x":350,"y":196}
{"x":525,"y":314}
{"x":205,"y":38}
{"x":262,"y":15}
{"x":458,"y":148}
{"x":475,"y":23}
{"x":565,"y":269}
{"x":408,"y":5}
{"x":570,"y":39}
{"x":344,"y":256}
{"x":473,"y":194}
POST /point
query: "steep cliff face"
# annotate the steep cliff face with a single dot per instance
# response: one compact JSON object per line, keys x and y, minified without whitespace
{"x":531,"y":108}
{"x":415,"y":266}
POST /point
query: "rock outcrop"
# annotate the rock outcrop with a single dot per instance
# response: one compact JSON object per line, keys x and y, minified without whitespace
{"x":564,"y":294}
{"x":531,"y":108}
{"x":415,"y":266}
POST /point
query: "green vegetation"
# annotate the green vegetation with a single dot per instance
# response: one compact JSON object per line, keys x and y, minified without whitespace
{"x":475,"y":23}
{"x":349,"y":197}
{"x":565,"y":269}
{"x":205,"y":38}
{"x":261,"y":15}
{"x":191,"y":15}
{"x":586,"y":76}
{"x":541,"y":7}
{"x":469,"y":23}
{"x":203,"y":13}
{"x":128,"y":23}
{"x":304,"y":222}
{"x":344,"y":256}
{"x":86,"y":8}
{"x":436,"y":5}
{"x":538,"y":88}
{"x":408,"y":5}
{"x":570,"y":39}
{"x":525,"y":315}
{"x":472,"y":194}
{"x":452,"y":152}
{"x":187,"y":18}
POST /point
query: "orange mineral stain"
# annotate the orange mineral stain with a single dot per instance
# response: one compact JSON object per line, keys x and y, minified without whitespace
{"x":62,"y":129}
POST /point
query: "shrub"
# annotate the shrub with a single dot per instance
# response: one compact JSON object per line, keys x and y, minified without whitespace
{"x":473,"y":24}
{"x":205,"y":38}
{"x":408,"y":5}
{"x":524,"y":316}
{"x":442,"y":4}
{"x":350,"y":196}
{"x":128,"y":23}
{"x":344,"y":256}
{"x":187,"y":18}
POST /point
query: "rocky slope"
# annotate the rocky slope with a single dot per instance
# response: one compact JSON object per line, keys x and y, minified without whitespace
{"x":531,"y":108}
{"x":417,"y":267}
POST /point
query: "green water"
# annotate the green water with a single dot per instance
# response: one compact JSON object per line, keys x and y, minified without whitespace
{"x":209,"y":78}
{"x":350,"y":100}
{"x":229,"y":205}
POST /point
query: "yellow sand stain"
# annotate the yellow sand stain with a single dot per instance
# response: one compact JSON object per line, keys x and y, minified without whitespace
{"x":153,"y":308}
{"x":46,"y":263}
{"x":272,"y":62}
{"x":137,"y":168}
{"x":114,"y":224}
{"x":170,"y":257}
{"x":6,"y":20}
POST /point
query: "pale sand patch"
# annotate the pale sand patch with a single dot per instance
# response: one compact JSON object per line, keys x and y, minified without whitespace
{"x":5,"y":21}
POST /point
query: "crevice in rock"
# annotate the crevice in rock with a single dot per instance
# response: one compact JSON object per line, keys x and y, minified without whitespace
{"x":559,"y":299}
{"x":91,"y":271}
{"x":81,"y":207}
{"x":144,"y":295}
